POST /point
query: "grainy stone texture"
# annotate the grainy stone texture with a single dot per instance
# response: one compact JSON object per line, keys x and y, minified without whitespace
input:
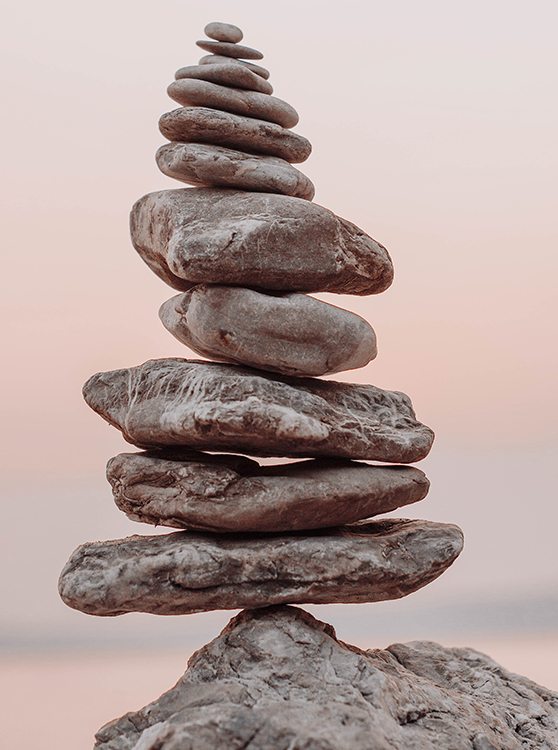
{"x":230,"y":50}
{"x":278,"y":679}
{"x":194,"y":93}
{"x":204,"y":164}
{"x":186,"y":572}
{"x":211,"y":236}
{"x":237,"y":76}
{"x":203,"y":125}
{"x":217,"y":407}
{"x":191,"y":490}
{"x":222,"y":60}
{"x":223,"y":32}
{"x":291,"y":334}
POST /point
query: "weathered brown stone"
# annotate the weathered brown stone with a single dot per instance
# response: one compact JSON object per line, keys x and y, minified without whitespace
{"x":222,"y":60}
{"x":230,"y":50}
{"x":190,"y":490}
{"x":291,"y":333}
{"x":276,"y":678}
{"x":217,"y":407}
{"x":267,"y":241}
{"x":204,"y":164}
{"x":223,"y":32}
{"x":186,"y":572}
{"x":237,"y":76}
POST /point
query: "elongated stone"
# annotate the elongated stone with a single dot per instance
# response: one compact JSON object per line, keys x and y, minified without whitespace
{"x":203,"y":164}
{"x":190,"y":490}
{"x":203,"y":125}
{"x":223,"y":32}
{"x":230,"y":50}
{"x":266,"y":241}
{"x":217,"y":407}
{"x":292,"y":334}
{"x":193,"y":93}
{"x":237,"y":76}
{"x":186,"y":572}
{"x":222,"y":60}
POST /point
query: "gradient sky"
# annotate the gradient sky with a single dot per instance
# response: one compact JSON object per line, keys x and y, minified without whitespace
{"x":434,"y":129}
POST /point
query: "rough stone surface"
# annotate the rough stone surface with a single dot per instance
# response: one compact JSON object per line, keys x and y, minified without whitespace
{"x":267,"y":241}
{"x":186,"y":572}
{"x":191,"y":490}
{"x":223,"y":32}
{"x":291,"y":334}
{"x":216,"y":407}
{"x":230,"y":50}
{"x":237,"y":76}
{"x":222,"y":60}
{"x":203,"y":125}
{"x":194,"y":93}
{"x":278,"y":679}
{"x":204,"y":164}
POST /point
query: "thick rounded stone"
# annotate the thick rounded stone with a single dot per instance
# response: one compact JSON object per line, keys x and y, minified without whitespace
{"x":292,"y":334}
{"x":267,"y":241}
{"x":223,"y":32}
{"x":203,"y":125}
{"x":230,"y":50}
{"x":192,"y":93}
{"x":221,"y":60}
{"x":216,"y":407}
{"x":237,"y":76}
{"x":190,"y":490}
{"x":215,"y":166}
{"x":186,"y":572}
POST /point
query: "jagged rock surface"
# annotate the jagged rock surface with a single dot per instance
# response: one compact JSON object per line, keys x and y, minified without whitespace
{"x":277,"y":678}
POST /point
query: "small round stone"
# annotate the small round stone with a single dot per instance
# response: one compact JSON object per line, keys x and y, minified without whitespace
{"x":222,"y":60}
{"x":230,"y":50}
{"x":223,"y":32}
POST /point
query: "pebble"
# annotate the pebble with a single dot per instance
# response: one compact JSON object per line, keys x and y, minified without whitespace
{"x":238,"y":51}
{"x":223,"y":32}
{"x":236,"y":76}
{"x":221,"y":60}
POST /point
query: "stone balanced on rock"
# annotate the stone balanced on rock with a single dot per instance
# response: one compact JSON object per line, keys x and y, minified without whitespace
{"x":243,"y":247}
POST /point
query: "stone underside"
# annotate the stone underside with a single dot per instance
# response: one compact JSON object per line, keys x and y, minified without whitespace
{"x":278,"y":679}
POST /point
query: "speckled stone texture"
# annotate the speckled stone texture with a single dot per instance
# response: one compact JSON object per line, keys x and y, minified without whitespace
{"x":278,"y":679}
{"x":223,"y":60}
{"x":211,"y":236}
{"x":221,"y":493}
{"x":216,"y":407}
{"x":236,"y":76}
{"x":186,"y":572}
{"x":291,"y":334}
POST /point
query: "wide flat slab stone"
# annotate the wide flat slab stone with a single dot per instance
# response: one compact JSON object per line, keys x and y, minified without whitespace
{"x":237,"y":76}
{"x":186,"y":572}
{"x":277,"y":678}
{"x":212,"y":236}
{"x":223,"y":60}
{"x":204,"y":164}
{"x":230,"y":50}
{"x":291,"y":334}
{"x":190,"y":490}
{"x":217,"y":407}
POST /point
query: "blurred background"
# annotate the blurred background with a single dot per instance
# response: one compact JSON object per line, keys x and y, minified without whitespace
{"x":434,"y":129}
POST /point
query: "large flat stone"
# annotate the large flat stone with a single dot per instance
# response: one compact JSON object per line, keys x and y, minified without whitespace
{"x":219,"y":493}
{"x":277,"y":678}
{"x":291,"y":334}
{"x":223,"y":60}
{"x":218,"y":407}
{"x":212,"y":236}
{"x":204,"y":164}
{"x":230,"y":50}
{"x":237,"y":76}
{"x":186,"y":572}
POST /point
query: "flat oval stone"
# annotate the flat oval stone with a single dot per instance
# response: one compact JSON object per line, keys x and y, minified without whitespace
{"x":221,"y":60}
{"x":236,"y":76}
{"x":186,"y":572}
{"x":203,"y":125}
{"x":207,"y":165}
{"x":223,"y":32}
{"x":192,"y":93}
{"x":291,"y":334}
{"x":209,"y":406}
{"x":230,"y":50}
{"x":226,"y":494}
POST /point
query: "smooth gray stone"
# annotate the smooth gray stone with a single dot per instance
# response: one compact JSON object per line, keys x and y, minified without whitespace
{"x":204,"y":125}
{"x":261,"y":240}
{"x":223,"y":32}
{"x":276,"y":678}
{"x":189,"y":490}
{"x":216,"y":407}
{"x":206,"y":165}
{"x":192,"y":93}
{"x":186,"y":572}
{"x":237,"y":76}
{"x":291,"y":334}
{"x":222,"y":60}
{"x":227,"y":49}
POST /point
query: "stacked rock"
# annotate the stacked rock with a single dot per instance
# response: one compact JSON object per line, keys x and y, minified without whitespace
{"x":243,"y":247}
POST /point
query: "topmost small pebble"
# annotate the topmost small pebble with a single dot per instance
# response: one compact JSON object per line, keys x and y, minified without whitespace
{"x":223,"y":32}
